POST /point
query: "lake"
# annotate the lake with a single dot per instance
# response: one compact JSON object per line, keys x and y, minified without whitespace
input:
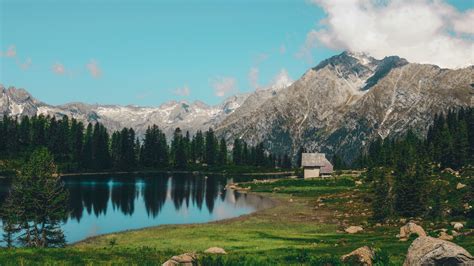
{"x":106,"y":204}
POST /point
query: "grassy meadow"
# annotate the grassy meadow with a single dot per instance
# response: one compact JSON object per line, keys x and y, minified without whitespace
{"x":306,"y":227}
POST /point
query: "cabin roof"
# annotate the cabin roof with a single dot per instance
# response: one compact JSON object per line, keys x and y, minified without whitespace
{"x":317,"y":160}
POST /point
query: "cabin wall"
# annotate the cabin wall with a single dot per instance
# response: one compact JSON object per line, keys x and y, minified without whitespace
{"x":311,"y":172}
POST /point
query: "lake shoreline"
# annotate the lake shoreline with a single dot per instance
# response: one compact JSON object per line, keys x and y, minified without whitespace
{"x":286,"y":173}
{"x":275,"y":202}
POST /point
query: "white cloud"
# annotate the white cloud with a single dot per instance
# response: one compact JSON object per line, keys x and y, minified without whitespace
{"x":261,"y":57}
{"x":253,"y":77}
{"x":58,"y":69}
{"x":10,"y":52}
{"x":183,"y":92}
{"x":422,"y":31}
{"x":94,"y":69}
{"x":144,"y":94}
{"x":464,"y":23}
{"x":309,"y":44}
{"x":281,"y":80}
{"x":26,"y":64}
{"x":224,"y":85}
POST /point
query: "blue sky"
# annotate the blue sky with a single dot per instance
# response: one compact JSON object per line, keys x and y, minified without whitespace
{"x":148,"y":52}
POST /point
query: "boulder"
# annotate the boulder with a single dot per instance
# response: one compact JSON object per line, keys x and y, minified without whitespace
{"x":353,"y":229}
{"x":445,"y":236}
{"x":187,"y":259}
{"x":460,"y":186}
{"x":458,"y":226}
{"x":410,"y":228}
{"x":215,"y":250}
{"x":432,"y":251}
{"x":361,"y":256}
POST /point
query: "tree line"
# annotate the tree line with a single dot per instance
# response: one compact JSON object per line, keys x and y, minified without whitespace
{"x":449,"y":142}
{"x":77,"y":147}
{"x":414,"y":177}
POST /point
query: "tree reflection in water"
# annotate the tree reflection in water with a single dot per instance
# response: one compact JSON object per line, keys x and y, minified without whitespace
{"x":106,"y":204}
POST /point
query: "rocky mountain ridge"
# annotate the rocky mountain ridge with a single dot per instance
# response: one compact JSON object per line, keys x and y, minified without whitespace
{"x":168,"y":116}
{"x":336,"y":107}
{"x":350,"y":99}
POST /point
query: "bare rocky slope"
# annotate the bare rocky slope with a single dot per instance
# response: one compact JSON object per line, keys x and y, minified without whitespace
{"x":350,"y":99}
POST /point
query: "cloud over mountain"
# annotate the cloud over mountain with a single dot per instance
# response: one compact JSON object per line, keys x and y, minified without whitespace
{"x":224,"y":85}
{"x":422,"y":31}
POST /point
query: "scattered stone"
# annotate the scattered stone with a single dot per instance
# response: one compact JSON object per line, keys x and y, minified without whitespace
{"x":403,"y":220}
{"x":291,"y":200}
{"x":215,"y":250}
{"x":445,"y":236}
{"x":358,"y":183}
{"x":451,"y":171}
{"x":432,"y":251}
{"x":457,"y":226}
{"x":378,"y":225}
{"x":410,"y":228}
{"x":353,"y":229}
{"x":460,"y":186}
{"x":187,"y":259}
{"x":363,"y":255}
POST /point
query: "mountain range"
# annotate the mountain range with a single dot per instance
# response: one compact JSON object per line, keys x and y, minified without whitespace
{"x":338,"y":106}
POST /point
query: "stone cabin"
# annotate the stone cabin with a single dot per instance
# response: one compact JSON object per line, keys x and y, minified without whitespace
{"x":316,"y":165}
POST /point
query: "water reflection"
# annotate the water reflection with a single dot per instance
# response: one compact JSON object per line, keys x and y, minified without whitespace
{"x":105,"y":204}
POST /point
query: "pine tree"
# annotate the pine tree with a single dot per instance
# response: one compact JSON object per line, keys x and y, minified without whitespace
{"x":461,"y":145}
{"x":410,"y":189}
{"x":178,"y":150}
{"x":25,"y":133}
{"x":259,"y":155}
{"x":381,"y":204}
{"x":337,"y":162}
{"x":300,"y":156}
{"x":76,"y":141}
{"x":286,"y":162}
{"x":211,"y":147}
{"x":237,"y":152}
{"x":223,"y":152}
{"x":37,"y":204}
{"x":87,"y":152}
{"x":199,"y":146}
{"x":246,"y":156}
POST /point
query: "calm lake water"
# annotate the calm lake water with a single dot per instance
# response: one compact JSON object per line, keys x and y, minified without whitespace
{"x":106,"y":204}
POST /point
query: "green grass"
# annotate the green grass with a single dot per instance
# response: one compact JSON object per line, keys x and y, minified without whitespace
{"x":296,"y":232}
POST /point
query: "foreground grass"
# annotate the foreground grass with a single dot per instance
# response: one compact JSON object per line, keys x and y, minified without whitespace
{"x":305,"y":227}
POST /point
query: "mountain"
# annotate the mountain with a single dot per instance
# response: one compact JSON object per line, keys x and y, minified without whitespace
{"x":348,"y":100}
{"x":188,"y":116}
{"x":339,"y":106}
